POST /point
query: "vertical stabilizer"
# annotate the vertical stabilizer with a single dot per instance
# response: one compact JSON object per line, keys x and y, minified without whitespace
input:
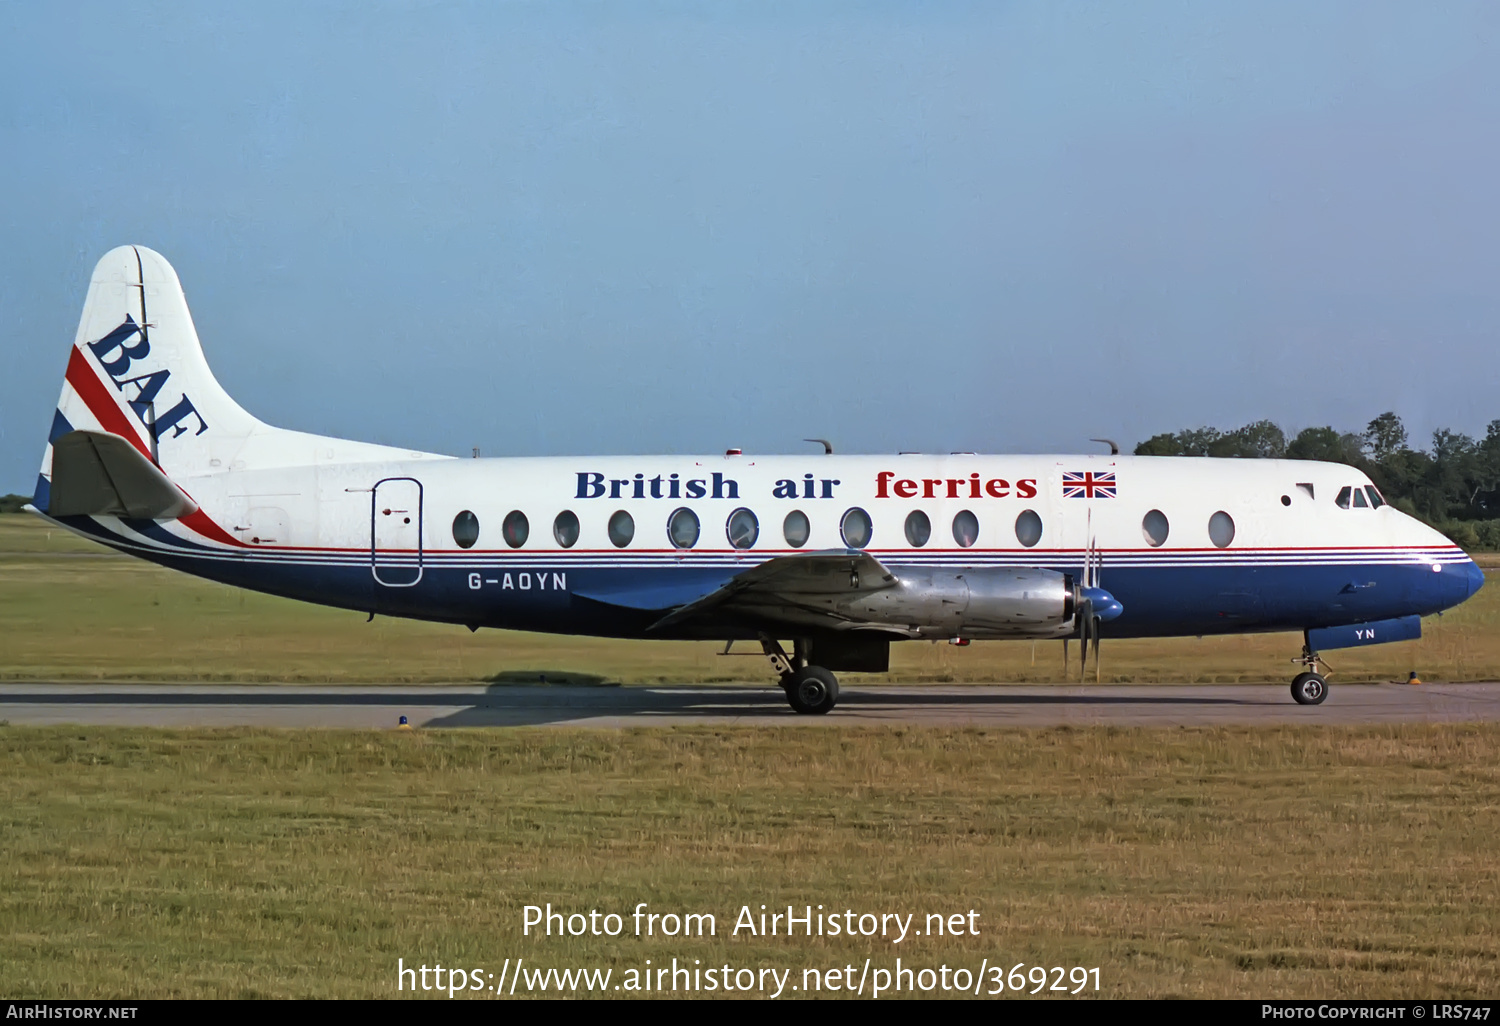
{"x":137,"y":370}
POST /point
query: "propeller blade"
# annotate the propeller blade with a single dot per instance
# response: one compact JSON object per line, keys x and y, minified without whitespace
{"x":1086,"y":623}
{"x":1097,"y":671}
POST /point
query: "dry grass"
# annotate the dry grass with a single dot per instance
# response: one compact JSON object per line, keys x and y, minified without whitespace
{"x":72,"y":610}
{"x":1306,"y":862}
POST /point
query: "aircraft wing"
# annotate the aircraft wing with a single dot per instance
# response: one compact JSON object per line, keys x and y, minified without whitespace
{"x":805,"y":588}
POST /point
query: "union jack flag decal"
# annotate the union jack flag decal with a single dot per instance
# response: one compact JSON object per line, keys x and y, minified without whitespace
{"x":1088,"y":485}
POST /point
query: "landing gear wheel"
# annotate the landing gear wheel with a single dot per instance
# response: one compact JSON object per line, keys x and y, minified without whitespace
{"x":812,"y":690}
{"x":1309,"y":688}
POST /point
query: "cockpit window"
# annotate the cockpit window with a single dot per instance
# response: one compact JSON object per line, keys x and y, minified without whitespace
{"x":1359,"y":499}
{"x":1376,"y":499}
{"x":1343,"y":497}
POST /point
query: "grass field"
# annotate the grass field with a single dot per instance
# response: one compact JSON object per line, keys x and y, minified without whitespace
{"x":1292,"y":862}
{"x":1298,"y":862}
{"x":73,"y":610}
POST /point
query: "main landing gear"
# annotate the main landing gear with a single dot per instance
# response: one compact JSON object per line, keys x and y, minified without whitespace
{"x":811,"y":690}
{"x":1309,"y":687}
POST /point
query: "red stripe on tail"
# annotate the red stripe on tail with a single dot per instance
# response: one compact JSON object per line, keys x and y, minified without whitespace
{"x":204,"y":525}
{"x":100,"y":403}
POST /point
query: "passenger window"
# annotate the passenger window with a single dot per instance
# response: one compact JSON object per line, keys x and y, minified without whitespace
{"x":1343,"y":497}
{"x":795,"y":529}
{"x":918,"y":528}
{"x":965,"y":529}
{"x":1028,"y":528}
{"x":1359,"y":499}
{"x":743,"y":528}
{"x":1221,"y":529}
{"x":1376,"y":499}
{"x":466,"y":529}
{"x":682,"y":528}
{"x":621,"y":528}
{"x":856,"y":528}
{"x":515,"y":529}
{"x":1155,"y":527}
{"x":565,"y":529}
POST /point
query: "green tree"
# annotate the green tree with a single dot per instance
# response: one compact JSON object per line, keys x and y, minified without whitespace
{"x":1317,"y":443}
{"x":1259,"y":440}
{"x":1484,"y":500}
{"x":1165,"y":444}
{"x":1385,"y":437}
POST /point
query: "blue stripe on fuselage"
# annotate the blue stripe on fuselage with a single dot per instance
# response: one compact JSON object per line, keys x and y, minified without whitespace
{"x":1158,"y":601}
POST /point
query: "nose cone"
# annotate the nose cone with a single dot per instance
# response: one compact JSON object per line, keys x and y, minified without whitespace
{"x":1475,"y":578}
{"x":1459,"y":581}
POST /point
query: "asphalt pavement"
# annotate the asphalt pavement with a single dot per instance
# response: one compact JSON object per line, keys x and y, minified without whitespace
{"x":511,"y":705}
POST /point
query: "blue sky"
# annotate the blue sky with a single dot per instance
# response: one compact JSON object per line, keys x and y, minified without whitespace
{"x":551,"y":228}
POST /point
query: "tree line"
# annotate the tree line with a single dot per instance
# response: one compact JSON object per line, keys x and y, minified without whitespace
{"x":1454,"y":485}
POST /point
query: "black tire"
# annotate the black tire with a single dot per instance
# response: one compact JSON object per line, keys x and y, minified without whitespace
{"x":1309,"y":689}
{"x":814,"y":691}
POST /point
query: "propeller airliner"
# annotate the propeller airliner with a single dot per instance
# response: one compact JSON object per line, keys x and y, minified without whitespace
{"x":840,"y":555}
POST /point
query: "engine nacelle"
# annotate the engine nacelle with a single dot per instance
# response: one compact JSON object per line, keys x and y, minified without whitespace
{"x":975,"y":602}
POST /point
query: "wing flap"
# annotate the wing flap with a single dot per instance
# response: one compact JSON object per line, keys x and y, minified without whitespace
{"x":95,"y":473}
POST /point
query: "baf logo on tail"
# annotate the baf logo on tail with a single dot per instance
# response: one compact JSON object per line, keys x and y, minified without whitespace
{"x":117,"y":359}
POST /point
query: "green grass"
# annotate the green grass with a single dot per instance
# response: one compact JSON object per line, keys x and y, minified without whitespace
{"x":1288,"y":862}
{"x":72,"y":610}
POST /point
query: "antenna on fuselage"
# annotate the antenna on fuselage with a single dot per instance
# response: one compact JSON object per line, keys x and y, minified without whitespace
{"x":1114,"y":446}
{"x":825,"y":443}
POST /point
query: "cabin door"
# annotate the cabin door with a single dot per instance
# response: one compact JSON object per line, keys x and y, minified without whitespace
{"x":396,"y":532}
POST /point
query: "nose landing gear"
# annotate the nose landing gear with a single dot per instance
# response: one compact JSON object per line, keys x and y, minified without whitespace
{"x":1309,"y":687}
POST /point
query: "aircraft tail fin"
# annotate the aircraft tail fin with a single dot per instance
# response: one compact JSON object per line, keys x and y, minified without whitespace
{"x":137,"y":372}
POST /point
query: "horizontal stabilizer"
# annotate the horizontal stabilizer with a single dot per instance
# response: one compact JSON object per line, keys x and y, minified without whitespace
{"x":96,"y":474}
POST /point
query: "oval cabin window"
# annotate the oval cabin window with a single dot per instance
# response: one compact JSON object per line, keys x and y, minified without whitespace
{"x":796,"y":529}
{"x":918,"y":528}
{"x":621,"y":528}
{"x":682,"y":528}
{"x":1221,"y":529}
{"x":1028,"y":528}
{"x":515,"y":529}
{"x":565,"y":529}
{"x":742,"y":528}
{"x":965,"y":529}
{"x":856,"y":528}
{"x":466,"y":529}
{"x":1155,"y":527}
